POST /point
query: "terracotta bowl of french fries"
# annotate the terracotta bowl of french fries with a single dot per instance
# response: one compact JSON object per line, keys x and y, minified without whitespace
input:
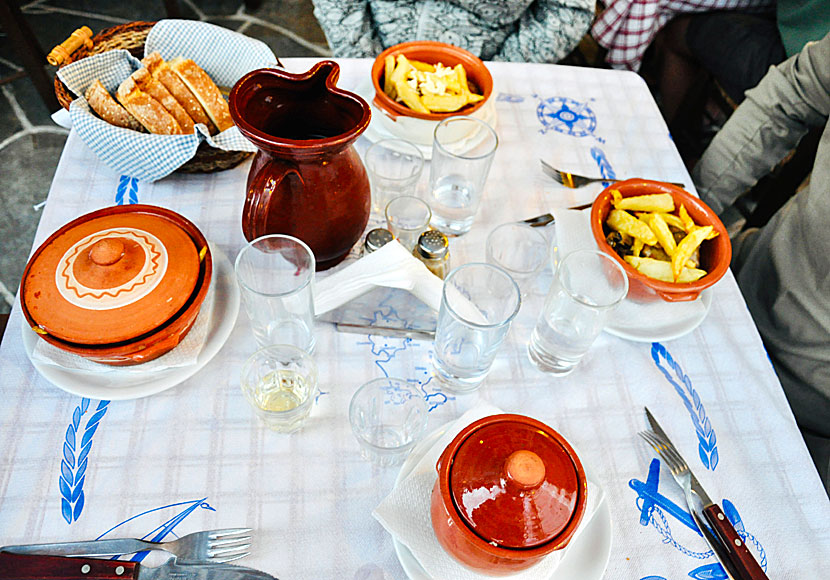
{"x":418,"y":84}
{"x":671,"y":244}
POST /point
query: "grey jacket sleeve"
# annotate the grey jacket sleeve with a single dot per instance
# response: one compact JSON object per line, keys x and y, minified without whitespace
{"x":789,"y":100}
{"x":548,"y":30}
{"x":348,"y":27}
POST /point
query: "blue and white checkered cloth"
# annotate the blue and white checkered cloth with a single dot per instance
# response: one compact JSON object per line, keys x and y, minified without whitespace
{"x":225,"y":55}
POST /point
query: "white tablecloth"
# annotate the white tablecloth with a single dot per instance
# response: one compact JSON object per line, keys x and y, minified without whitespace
{"x":193,"y":457}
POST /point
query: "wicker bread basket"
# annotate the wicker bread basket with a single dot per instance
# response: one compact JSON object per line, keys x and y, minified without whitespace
{"x":131,"y":37}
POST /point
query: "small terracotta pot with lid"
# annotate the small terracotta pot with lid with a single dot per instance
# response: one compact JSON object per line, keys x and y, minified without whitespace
{"x":510,"y":491}
{"x":120,"y":286}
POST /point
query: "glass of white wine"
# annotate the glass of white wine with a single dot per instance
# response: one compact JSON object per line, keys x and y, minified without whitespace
{"x":280,"y":383}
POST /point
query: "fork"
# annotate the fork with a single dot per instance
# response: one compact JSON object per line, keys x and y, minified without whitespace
{"x":572,"y":181}
{"x":541,"y":221}
{"x":683,"y":476}
{"x":208,"y":546}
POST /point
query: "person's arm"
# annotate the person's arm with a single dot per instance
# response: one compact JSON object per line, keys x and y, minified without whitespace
{"x":348,"y":27}
{"x":789,"y":100}
{"x":548,"y":31}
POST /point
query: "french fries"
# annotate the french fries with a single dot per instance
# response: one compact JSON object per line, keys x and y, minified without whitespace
{"x":659,"y":202}
{"x":686,"y":248}
{"x":427,"y":88}
{"x":662,"y":270}
{"x":659,"y":240}
{"x":625,"y":223}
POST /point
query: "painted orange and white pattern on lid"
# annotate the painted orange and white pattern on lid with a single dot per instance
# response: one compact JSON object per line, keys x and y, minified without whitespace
{"x":111,"y":268}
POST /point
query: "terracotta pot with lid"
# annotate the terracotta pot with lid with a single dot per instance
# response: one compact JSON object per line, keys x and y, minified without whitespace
{"x":510,"y":491}
{"x":120,"y":286}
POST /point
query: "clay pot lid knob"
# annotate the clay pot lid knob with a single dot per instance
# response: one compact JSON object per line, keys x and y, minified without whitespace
{"x":525,"y":469}
{"x":106,"y":252}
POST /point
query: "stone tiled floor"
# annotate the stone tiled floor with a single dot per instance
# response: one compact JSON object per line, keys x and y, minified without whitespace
{"x":31,"y":144}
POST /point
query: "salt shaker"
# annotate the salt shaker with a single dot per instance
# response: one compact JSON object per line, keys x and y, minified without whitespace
{"x":433,"y":249}
{"x":376,"y":239}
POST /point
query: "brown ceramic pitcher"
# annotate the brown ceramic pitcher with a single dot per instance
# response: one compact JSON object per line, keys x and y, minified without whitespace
{"x":306,"y":179}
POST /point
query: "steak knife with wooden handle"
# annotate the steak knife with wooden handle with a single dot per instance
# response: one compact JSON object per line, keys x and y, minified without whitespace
{"x":36,"y":567}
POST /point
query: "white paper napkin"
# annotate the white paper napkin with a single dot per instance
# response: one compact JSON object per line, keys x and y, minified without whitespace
{"x":184,"y":354}
{"x":573,"y":232}
{"x":405,"y":513}
{"x":391,"y":266}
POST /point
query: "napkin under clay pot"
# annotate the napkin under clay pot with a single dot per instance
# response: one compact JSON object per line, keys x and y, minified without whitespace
{"x":405,"y":513}
{"x":186,"y":353}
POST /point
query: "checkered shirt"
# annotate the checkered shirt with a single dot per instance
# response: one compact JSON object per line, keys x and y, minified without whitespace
{"x":627,"y":27}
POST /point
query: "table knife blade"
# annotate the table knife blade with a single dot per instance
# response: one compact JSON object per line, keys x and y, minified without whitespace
{"x":744,"y":565}
{"x":420,"y":334}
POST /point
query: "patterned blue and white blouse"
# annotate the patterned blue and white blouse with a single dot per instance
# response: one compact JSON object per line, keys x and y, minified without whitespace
{"x":512,"y":30}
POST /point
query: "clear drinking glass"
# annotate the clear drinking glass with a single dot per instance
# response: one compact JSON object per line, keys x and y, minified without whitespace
{"x":394,"y":167}
{"x":462,"y":152}
{"x":587,"y":286}
{"x":520,"y":249}
{"x":275,"y":273}
{"x":478,"y":303}
{"x":280,"y":383}
{"x":407,"y":217}
{"x":388,"y":417}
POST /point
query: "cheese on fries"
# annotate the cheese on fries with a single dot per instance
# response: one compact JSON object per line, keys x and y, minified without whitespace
{"x":425,"y":87}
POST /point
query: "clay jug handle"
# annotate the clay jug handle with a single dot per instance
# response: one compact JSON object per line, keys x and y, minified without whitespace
{"x":261,"y":195}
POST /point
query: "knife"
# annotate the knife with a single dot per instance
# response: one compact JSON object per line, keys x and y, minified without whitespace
{"x":731,"y":550}
{"x":541,"y":221}
{"x":36,"y":567}
{"x":420,"y":334}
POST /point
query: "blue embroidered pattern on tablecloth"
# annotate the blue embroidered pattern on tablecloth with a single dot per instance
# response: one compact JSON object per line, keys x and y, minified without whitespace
{"x":127,"y":191}
{"x":76,"y":459}
{"x":159,"y":533}
{"x":655,"y":509}
{"x":707,"y":440}
{"x":567,"y":116}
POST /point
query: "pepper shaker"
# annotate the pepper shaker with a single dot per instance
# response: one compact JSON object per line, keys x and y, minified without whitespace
{"x":376,"y":239}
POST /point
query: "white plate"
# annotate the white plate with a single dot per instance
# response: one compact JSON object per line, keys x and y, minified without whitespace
{"x":633,"y":321}
{"x":119,"y":385}
{"x":585,"y":559}
{"x":376,"y":131}
{"x":637,"y":321}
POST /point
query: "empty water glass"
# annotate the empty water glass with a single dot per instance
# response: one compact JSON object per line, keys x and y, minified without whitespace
{"x":462,"y":152}
{"x":407,"y":217}
{"x":519,"y":249}
{"x":275,"y":274}
{"x":478,"y":303}
{"x":388,"y":417}
{"x":394,"y":166}
{"x":587,"y":286}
